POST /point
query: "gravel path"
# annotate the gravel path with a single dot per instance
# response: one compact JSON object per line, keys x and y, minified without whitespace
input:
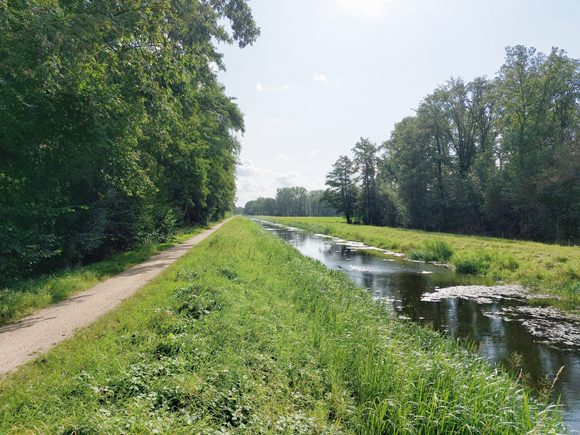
{"x":23,"y":341}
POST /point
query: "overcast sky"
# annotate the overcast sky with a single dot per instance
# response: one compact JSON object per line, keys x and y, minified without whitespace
{"x":325,"y":73}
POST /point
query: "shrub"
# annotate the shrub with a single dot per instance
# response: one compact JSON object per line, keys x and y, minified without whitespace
{"x":433,"y":250}
{"x":484,"y":260}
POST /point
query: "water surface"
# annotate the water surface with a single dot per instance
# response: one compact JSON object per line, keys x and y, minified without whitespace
{"x":400,"y":284}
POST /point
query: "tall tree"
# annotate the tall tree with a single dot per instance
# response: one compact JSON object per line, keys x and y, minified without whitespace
{"x":342,"y":191}
{"x":539,"y":125}
{"x":112,"y":123}
{"x":365,"y":163}
{"x":408,"y":162}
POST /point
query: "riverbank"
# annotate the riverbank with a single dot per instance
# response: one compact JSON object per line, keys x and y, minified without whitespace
{"x":24,"y":297}
{"x":245,"y":335}
{"x":539,"y":267}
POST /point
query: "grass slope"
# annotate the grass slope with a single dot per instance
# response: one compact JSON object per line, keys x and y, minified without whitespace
{"x":28,"y":295}
{"x":246,"y":336}
{"x":541,"y":267}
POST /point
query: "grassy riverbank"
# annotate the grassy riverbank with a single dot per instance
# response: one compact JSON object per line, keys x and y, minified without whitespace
{"x":541,"y":267}
{"x":245,"y":336}
{"x":23,"y":297}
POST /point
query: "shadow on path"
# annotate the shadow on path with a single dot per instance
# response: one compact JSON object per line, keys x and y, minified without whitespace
{"x":26,"y":339}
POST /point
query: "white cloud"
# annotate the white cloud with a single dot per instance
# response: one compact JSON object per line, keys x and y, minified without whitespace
{"x":252,"y":182}
{"x":283,"y":157}
{"x":251,"y":187}
{"x":325,"y":80}
{"x":313,"y":153}
{"x":366,"y":7}
{"x":246,"y":168}
{"x":261,"y":88}
{"x":292,"y":178}
{"x":320,"y":78}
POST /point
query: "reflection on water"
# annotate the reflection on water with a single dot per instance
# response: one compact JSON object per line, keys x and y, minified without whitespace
{"x":401,"y":283}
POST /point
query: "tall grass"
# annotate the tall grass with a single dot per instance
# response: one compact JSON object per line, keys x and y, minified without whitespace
{"x":486,"y":262}
{"x":246,"y":336}
{"x":432,"y":250}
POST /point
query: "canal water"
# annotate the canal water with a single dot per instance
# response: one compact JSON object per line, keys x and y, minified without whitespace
{"x":404,"y":286}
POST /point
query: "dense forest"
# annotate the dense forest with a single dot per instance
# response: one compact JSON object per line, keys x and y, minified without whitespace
{"x":289,"y":201}
{"x":497,"y":156}
{"x":113,"y":126}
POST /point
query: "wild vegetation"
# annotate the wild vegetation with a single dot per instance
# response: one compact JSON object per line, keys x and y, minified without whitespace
{"x":289,"y":201}
{"x":497,"y":157}
{"x":113,"y":126}
{"x":27,"y":295}
{"x":543,"y":268}
{"x":245,"y":335}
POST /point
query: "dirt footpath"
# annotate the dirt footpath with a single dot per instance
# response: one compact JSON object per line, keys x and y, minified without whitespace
{"x":23,"y":341}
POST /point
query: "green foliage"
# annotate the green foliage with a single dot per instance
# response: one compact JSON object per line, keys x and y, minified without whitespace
{"x":495,"y":157}
{"x":342,"y":190}
{"x":486,"y":261}
{"x":113,"y":125}
{"x":433,"y":250}
{"x":290,"y":201}
{"x":293,"y":348}
{"x":365,"y":163}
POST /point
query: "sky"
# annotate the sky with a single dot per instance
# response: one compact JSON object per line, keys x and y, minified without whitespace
{"x":326,"y":73}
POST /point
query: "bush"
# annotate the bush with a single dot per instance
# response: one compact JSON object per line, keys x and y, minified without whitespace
{"x":469,"y":266}
{"x":433,"y":250}
{"x":484,"y":260}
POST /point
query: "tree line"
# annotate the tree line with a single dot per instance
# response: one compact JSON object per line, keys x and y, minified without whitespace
{"x":498,"y":156}
{"x":289,"y":201}
{"x":113,"y":126}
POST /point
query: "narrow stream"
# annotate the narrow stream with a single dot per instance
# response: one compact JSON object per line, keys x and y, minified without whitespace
{"x":402,"y":284}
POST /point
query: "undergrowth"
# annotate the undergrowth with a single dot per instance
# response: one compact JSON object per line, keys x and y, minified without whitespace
{"x":246,"y":336}
{"x":432,"y":250}
{"x":25,"y":296}
{"x":486,"y":262}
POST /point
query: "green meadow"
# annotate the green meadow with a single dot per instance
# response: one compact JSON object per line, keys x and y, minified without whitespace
{"x":542,"y":268}
{"x":244,"y":335}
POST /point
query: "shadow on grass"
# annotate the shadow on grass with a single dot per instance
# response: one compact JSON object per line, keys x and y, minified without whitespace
{"x":25,"y":296}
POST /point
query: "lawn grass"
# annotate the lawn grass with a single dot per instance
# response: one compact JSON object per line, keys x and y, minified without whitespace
{"x":24,"y":297}
{"x":541,"y":267}
{"x":244,"y":335}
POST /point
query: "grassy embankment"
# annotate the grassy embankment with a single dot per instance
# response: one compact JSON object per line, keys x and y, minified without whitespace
{"x":540,"y":267}
{"x":24,"y":297}
{"x":244,"y":336}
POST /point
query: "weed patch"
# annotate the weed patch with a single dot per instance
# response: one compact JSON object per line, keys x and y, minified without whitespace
{"x":487,"y":262}
{"x":432,"y":250}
